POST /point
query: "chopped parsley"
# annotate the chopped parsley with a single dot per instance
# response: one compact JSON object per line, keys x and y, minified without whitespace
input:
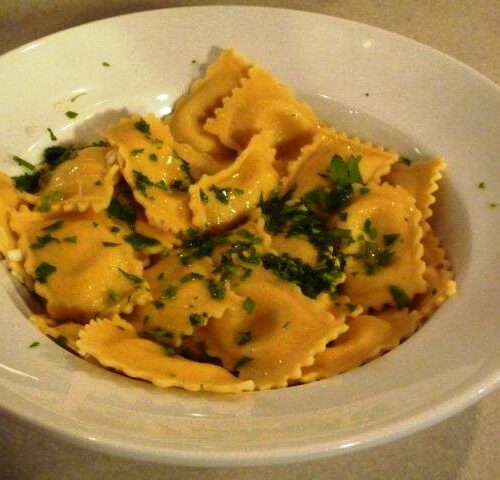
{"x":249,"y":305}
{"x":217,"y":289}
{"x":243,"y":338}
{"x":169,"y":292}
{"x":493,"y":205}
{"x":196,"y":246}
{"x":312,"y":280}
{"x":113,"y":296}
{"x":345,"y":172}
{"x":140,"y":242}
{"x":390,"y":238}
{"x":141,"y":181}
{"x":481,"y":185}
{"x":122,"y":211}
{"x":61,"y":340}
{"x":188,"y":277}
{"x":399,"y":295}
{"x":133,"y":278}
{"x":53,"y":226}
{"x":52,"y":136}
{"x":34,"y":344}
{"x":57,"y":154}
{"x":136,"y":151}
{"x":23,"y":163}
{"x":43,"y":271}
{"x":105,"y":64}
{"x":153,"y":157}
{"x":160,"y":336}
{"x":143,"y":127}
{"x":370,"y":231}
{"x":47,"y":199}
{"x":44,"y":240}
{"x":203,"y":196}
{"x":71,"y":114}
{"x":221,"y":194}
{"x":110,"y":244}
{"x":71,"y":239}
{"x":28,"y":182}
{"x":198,"y":319}
{"x":241,"y":362}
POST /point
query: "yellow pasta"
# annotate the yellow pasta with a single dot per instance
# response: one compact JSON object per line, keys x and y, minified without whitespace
{"x":239,"y":244}
{"x":115,"y":344}
{"x":230,"y":194}
{"x":368,"y":337}
{"x":263,"y":104}
{"x":272,"y":334}
{"x":158,"y":176}
{"x":420,"y":179}
{"x":83,"y":182}
{"x":79,"y":265}
{"x":306,"y":173}
{"x":205,"y":95}
{"x":383,"y":212}
{"x":182,"y":299}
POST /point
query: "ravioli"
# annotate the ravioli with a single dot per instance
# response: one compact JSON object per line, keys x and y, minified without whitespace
{"x":272,"y":334}
{"x":115,"y":344}
{"x":230,"y":194}
{"x":84,"y":182}
{"x":79,"y":266}
{"x":386,"y":227}
{"x":205,"y":95}
{"x":262,"y":104}
{"x":368,"y":337}
{"x":311,"y":168}
{"x":184,"y":297}
{"x":157,"y":175}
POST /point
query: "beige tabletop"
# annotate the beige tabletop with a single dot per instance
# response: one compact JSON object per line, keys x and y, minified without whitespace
{"x":466,"y":446}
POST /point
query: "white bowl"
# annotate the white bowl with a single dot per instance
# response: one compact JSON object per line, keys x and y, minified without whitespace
{"x":419,"y":101}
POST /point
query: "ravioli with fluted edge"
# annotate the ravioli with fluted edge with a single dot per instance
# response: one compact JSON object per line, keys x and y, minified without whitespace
{"x":240,"y":243}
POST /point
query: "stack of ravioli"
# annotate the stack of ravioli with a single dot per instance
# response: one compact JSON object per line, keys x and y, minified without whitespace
{"x":239,"y":244}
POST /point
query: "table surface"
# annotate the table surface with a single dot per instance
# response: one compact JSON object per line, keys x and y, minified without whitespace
{"x":466,"y":446}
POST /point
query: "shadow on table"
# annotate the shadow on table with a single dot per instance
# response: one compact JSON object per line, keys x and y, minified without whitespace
{"x":439,"y":452}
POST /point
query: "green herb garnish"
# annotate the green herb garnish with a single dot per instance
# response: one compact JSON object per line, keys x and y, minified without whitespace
{"x":249,"y":305}
{"x":28,"y":182}
{"x":143,"y":127}
{"x":61,"y":340}
{"x":122,"y":211}
{"x":72,"y":239}
{"x":203,"y":196}
{"x":390,"y":238}
{"x":57,"y":154}
{"x":140,"y":242}
{"x":217,"y":289}
{"x":243,"y":338}
{"x":44,"y":240}
{"x":345,"y":172}
{"x":198,"y":319}
{"x":133,"y":278}
{"x":188,"y":277}
{"x":52,"y":136}
{"x":113,"y":296}
{"x":43,"y":271}
{"x":110,"y":244}
{"x":53,"y":226}
{"x":399,"y":295}
{"x":242,"y":361}
{"x":71,"y":114}
{"x":34,"y":344}
{"x":23,"y":163}
{"x":222,"y":194}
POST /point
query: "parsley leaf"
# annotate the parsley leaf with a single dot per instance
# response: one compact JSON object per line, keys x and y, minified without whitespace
{"x":54,"y":156}
{"x":122,"y":211}
{"x":241,"y":362}
{"x":143,"y":127}
{"x":28,"y":182}
{"x":23,"y":163}
{"x":249,"y":305}
{"x":54,"y":226}
{"x":198,"y":319}
{"x":140,"y":242}
{"x":133,"y":278}
{"x":43,"y":271}
{"x":345,"y":172}
{"x":399,"y":296}
{"x":243,"y":338}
